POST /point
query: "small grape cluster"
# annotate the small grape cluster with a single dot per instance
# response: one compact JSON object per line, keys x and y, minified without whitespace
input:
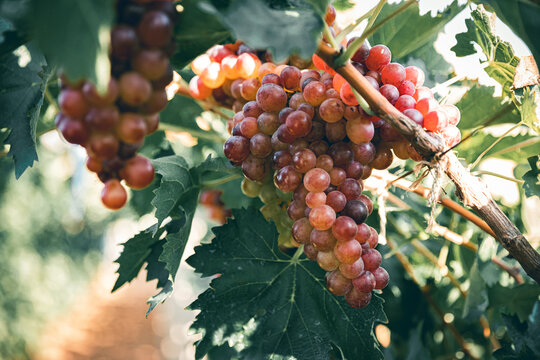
{"x":211,"y":200}
{"x":304,"y":130}
{"x":112,"y":126}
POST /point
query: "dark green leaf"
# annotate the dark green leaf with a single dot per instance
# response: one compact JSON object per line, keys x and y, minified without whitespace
{"x":522,"y":17}
{"x":175,"y":182}
{"x":282,"y":32}
{"x":480,"y":107}
{"x":524,"y":336}
{"x":74,"y":36}
{"x":409,"y":31}
{"x":500,"y":62}
{"x":280,"y":302}
{"x":160,"y":297}
{"x":532,"y":177}
{"x":23,"y":78}
{"x":196,"y":32}
{"x":514,"y":301}
{"x":135,"y":253}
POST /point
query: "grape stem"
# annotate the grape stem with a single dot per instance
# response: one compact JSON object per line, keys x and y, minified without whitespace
{"x":196,"y":133}
{"x":471,"y":191}
{"x":220,"y":181}
{"x":370,"y":30}
{"x":329,"y":37}
{"x":298,"y":253}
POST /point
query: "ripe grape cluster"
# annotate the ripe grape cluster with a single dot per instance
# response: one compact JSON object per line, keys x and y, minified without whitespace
{"x":211,"y":200}
{"x":112,"y":126}
{"x":304,"y":130}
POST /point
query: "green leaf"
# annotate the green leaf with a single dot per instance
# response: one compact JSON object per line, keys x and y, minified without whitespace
{"x":479,"y":106}
{"x":175,"y":182}
{"x":524,"y":336}
{"x":473,"y":147}
{"x":522,"y":17}
{"x":514,"y":301}
{"x":281,"y":31}
{"x":342,"y":4}
{"x":163,"y":295}
{"x":74,"y":36}
{"x":532,"y":177}
{"x":530,"y":109}
{"x":267,"y":304}
{"x":409,"y":31}
{"x":476,"y":301}
{"x":195,"y":32}
{"x":23,"y":78}
{"x":500,"y":61}
{"x":135,"y":253}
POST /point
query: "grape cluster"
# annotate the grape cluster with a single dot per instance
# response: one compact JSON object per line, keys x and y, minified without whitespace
{"x":302,"y":132}
{"x":211,"y":200}
{"x":112,"y":126}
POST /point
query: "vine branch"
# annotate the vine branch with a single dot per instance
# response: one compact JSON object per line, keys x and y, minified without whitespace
{"x":469,"y":189}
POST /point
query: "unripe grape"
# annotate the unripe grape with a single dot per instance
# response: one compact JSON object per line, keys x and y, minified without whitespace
{"x":322,"y":217}
{"x":327,"y":260}
{"x":316,"y":180}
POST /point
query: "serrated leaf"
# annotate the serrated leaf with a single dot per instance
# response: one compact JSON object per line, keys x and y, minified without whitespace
{"x":514,"y":301}
{"x":195,"y":32}
{"x":473,"y":147}
{"x":500,"y":61}
{"x":279,"y":304}
{"x":524,"y":336}
{"x":175,"y":181}
{"x":60,"y":27}
{"x":479,"y":106}
{"x":134,"y":255}
{"x":409,"y":31}
{"x":281,"y":31}
{"x":532,"y":177}
{"x":23,"y":78}
{"x":476,"y":301}
{"x":522,"y":17}
{"x":530,"y":109}
{"x":163,"y":295}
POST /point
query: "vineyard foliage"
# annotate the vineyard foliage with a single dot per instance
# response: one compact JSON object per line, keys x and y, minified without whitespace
{"x":262,"y":302}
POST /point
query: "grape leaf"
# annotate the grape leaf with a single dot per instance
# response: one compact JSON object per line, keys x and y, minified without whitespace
{"x":490,"y":272}
{"x":281,"y":31}
{"x":279,"y":303}
{"x":530,"y":109}
{"x":522,"y":17}
{"x":60,"y":27}
{"x":195,"y":32}
{"x":479,"y":106}
{"x":532,"y":177}
{"x":23,"y":78}
{"x":500,"y":61}
{"x":135,"y":253}
{"x":514,"y":301}
{"x":473,"y":147}
{"x":524,"y":336}
{"x":409,"y":31}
